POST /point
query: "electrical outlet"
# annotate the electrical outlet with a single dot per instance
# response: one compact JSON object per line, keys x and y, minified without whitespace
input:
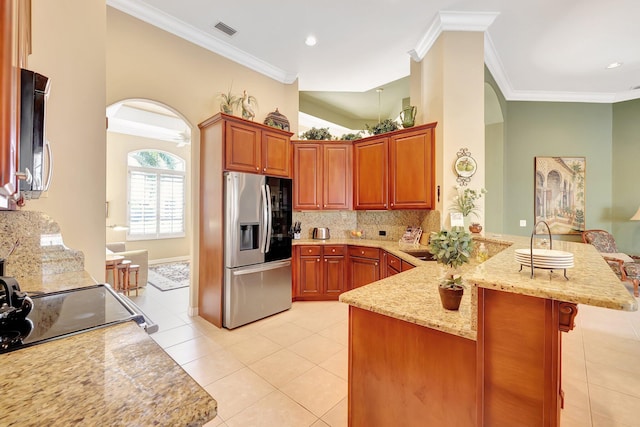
{"x":523,"y":223}
{"x":382,"y":233}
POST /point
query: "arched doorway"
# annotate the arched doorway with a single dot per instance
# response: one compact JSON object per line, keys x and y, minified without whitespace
{"x":148,"y":188}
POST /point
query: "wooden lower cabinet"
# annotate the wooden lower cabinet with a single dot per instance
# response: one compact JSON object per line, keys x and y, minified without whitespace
{"x":519,"y":358}
{"x":406,"y":266}
{"x":391,"y":264}
{"x":403,"y":374}
{"x":364,"y":266}
{"x":320,"y":272}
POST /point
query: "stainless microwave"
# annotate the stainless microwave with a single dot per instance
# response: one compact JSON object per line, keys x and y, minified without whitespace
{"x":34,"y":168}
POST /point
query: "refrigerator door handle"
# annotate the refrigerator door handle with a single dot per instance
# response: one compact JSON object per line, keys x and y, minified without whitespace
{"x":263,"y":226}
{"x":262,"y":267}
{"x":267,"y":243}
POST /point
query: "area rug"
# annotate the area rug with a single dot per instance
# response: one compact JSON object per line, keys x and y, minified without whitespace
{"x":172,"y":275}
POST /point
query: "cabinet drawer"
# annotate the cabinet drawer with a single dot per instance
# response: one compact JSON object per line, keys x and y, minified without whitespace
{"x":362,"y":252}
{"x":333,"y":250}
{"x":311,"y":250}
{"x":393,"y":262}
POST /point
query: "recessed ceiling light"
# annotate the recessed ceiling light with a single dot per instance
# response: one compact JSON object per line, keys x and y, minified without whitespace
{"x":310,"y":41}
{"x":614,"y":65}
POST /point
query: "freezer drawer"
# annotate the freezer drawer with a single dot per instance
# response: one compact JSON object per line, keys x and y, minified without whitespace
{"x":257,"y":291}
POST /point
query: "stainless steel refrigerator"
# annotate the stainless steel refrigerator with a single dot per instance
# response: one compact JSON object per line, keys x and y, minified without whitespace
{"x":257,"y":247}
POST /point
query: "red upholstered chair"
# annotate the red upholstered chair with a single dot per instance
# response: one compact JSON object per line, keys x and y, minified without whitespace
{"x":622,"y":264}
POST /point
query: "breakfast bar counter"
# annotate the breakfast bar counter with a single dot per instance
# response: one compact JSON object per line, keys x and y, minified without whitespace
{"x":494,"y":362}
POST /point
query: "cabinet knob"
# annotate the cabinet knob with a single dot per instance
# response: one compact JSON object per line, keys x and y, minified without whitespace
{"x":264,"y":169}
{"x":362,"y":252}
{"x":317,"y":206}
{"x":333,"y":250}
{"x":318,"y":260}
{"x":257,"y":168}
{"x":325,"y":260}
{"x":310,"y":251}
{"x":375,"y":264}
{"x":391,"y":204}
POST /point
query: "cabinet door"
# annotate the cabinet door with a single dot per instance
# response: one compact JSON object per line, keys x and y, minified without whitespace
{"x":9,"y":90}
{"x":307,"y":176}
{"x":335,"y":275}
{"x":336,"y":171}
{"x":392,"y":264}
{"x":363,"y":271}
{"x":370,"y":176}
{"x":276,"y":154}
{"x":411,"y":170}
{"x":242,"y":148}
{"x":310,"y":280}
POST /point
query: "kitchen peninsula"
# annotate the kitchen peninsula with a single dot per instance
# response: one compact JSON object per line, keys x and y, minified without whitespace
{"x":495,"y":362}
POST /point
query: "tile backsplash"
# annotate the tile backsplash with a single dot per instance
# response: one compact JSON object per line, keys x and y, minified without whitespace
{"x":393,"y":223}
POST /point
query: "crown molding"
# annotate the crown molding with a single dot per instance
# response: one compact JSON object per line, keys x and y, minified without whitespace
{"x":176,"y":27}
{"x":451,"y":21}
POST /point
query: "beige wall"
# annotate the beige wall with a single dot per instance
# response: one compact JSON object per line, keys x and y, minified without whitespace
{"x":453,"y":95}
{"x":68,"y":47}
{"x":146,"y":62}
{"x":118,"y":146}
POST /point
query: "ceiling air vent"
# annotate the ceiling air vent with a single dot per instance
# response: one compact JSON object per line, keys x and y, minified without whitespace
{"x":225,"y":28}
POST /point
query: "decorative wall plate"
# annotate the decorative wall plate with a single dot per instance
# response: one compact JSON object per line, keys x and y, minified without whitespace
{"x":465,"y":166}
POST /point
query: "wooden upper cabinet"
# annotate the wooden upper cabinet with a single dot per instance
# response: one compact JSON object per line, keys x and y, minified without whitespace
{"x":336,"y":161}
{"x":307,"y":176}
{"x":276,"y":154}
{"x":395,"y":170}
{"x":322,"y":176}
{"x":15,"y":45}
{"x":243,"y":148}
{"x":411,"y":171}
{"x":370,"y":173}
{"x":255,"y":148}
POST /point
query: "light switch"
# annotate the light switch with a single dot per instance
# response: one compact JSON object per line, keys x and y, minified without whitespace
{"x":523,"y":223}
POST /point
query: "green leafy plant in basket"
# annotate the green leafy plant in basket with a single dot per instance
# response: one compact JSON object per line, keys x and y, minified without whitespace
{"x":228,"y":101}
{"x":351,"y":136}
{"x":387,"y":125}
{"x":315,"y":134}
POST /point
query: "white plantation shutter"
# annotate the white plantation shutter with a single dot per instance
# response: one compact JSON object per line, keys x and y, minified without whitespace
{"x":156,"y":201}
{"x":171,"y":204}
{"x":143,"y":205}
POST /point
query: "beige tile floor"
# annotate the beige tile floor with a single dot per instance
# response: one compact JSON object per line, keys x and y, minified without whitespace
{"x":291,"y":369}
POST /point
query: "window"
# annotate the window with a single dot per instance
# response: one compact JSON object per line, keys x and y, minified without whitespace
{"x":156,"y":188}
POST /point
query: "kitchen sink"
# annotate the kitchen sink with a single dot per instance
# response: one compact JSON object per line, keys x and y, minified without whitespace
{"x":421,"y":254}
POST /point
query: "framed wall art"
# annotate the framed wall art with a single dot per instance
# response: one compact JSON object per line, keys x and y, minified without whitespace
{"x":560,"y":193}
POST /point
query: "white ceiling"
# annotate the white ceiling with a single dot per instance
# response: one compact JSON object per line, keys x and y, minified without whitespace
{"x":553,"y":50}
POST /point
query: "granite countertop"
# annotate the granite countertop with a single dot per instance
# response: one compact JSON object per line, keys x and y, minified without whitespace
{"x":115,"y":375}
{"x":413,"y":295}
{"x":111,"y":376}
{"x":56,"y":282}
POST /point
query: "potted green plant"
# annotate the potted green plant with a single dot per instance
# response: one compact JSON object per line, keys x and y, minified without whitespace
{"x":228,"y":101}
{"x":387,"y":125}
{"x":315,"y":134}
{"x":351,"y":136}
{"x":451,"y":248}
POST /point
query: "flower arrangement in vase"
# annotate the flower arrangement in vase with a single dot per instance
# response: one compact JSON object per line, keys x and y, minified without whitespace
{"x":465,"y":203}
{"x":451,"y":248}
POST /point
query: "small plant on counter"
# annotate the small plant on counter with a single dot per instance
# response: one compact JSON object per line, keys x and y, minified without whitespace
{"x":315,"y":134}
{"x":387,"y":125}
{"x":453,"y":249}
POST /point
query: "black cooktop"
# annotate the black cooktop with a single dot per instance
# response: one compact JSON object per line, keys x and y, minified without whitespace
{"x":61,"y":314}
